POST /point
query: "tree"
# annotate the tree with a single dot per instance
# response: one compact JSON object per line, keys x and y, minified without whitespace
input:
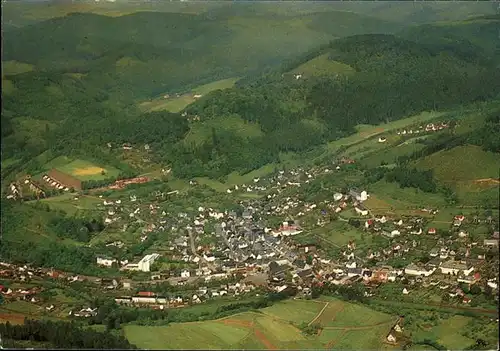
{"x":475,"y":289}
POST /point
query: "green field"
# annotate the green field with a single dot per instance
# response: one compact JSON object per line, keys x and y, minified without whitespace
{"x":462,"y":163}
{"x":68,"y":204}
{"x":273,"y":328}
{"x":10,"y":68}
{"x":201,"y":131}
{"x":404,"y":198}
{"x":368,"y":131}
{"x":297,"y":311}
{"x":323,"y":66}
{"x":83,"y":170}
{"x":448,"y":333}
{"x":177,"y":104}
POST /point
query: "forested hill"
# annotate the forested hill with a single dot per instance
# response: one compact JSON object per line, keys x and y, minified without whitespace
{"x":361,"y":79}
{"x":144,"y":54}
{"x":365,"y":79}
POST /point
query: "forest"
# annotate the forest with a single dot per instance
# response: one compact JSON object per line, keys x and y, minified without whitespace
{"x":59,"y":335}
{"x":394,"y":77}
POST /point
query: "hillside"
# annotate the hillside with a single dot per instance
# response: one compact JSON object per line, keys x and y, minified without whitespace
{"x":155,"y":52}
{"x":367,"y":75}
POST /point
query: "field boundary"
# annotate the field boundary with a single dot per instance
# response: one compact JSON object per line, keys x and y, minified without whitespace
{"x":319,"y":314}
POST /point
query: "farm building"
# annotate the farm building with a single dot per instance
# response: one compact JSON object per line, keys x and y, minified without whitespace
{"x":65,"y":179}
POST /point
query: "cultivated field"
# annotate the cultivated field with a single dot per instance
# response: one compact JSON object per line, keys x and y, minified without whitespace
{"x":81,"y":169}
{"x":274,"y":327}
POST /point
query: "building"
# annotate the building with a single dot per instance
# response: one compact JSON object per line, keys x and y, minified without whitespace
{"x":455,"y":267}
{"x":107,"y":262}
{"x":413,"y":269}
{"x":65,"y":179}
{"x":490,"y":242}
{"x":144,"y":264}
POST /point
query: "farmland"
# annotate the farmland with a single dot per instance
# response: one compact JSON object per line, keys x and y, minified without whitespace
{"x":462,"y":163}
{"x":273,"y":328}
{"x":85,"y":170}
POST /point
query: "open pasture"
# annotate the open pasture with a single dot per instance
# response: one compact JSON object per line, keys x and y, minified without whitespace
{"x":178,"y":103}
{"x":296,"y":311}
{"x":85,"y":170}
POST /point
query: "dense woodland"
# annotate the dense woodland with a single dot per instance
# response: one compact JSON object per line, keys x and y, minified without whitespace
{"x":59,"y":335}
{"x":394,"y":77}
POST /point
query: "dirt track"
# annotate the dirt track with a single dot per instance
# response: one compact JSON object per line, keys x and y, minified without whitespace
{"x":258,"y":334}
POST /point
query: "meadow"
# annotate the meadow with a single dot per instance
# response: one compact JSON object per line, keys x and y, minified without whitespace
{"x":366,"y":133}
{"x":85,"y":170}
{"x":274,"y":327}
{"x":178,"y":103}
{"x":463,"y":164}
{"x":68,"y":204}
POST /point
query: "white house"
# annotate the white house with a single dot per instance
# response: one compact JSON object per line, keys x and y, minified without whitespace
{"x":455,"y":267}
{"x":414,"y":270}
{"x":361,"y":210}
{"x":185,"y":274}
{"x":107,"y":262}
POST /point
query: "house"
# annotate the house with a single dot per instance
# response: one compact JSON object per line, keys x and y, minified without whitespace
{"x":455,"y":267}
{"x":362,"y":210}
{"x":414,"y":270}
{"x":490,"y":242}
{"x":352,"y":272}
{"x":431,"y":231}
{"x":405,"y":291}
{"x":107,"y":262}
{"x":185,"y":273}
{"x":391,"y":337}
{"x":382,"y":140}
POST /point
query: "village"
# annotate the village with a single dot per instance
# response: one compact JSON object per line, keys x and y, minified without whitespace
{"x":263,"y":245}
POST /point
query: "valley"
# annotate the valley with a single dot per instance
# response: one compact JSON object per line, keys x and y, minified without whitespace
{"x":177,"y":177}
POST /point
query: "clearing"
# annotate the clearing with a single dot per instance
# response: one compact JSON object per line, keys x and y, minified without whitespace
{"x":178,"y":103}
{"x":85,"y":170}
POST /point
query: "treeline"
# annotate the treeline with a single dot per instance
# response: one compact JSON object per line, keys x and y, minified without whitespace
{"x":393,"y":78}
{"x":15,"y":247}
{"x":113,"y":315}
{"x":100,"y":183}
{"x":60,"y":335}
{"x":484,"y":135}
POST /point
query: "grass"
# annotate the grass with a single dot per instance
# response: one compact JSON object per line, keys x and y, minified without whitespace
{"x":390,"y":155}
{"x":68,"y":204}
{"x":272,"y":328}
{"x":462,"y":163}
{"x":369,"y":131}
{"x":204,"y":335}
{"x":7,"y":87}
{"x":10,"y":68}
{"x":177,"y":104}
{"x":322,"y":65}
{"x":404,"y":198}
{"x":22,"y":307}
{"x":296,"y":311}
{"x":448,"y":333}
{"x":85,"y":170}
{"x":202,"y":131}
